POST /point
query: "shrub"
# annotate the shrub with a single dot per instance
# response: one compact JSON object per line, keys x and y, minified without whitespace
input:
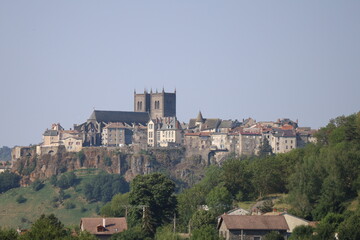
{"x":37,"y":185}
{"x":69,"y":205}
{"x":21,"y":199}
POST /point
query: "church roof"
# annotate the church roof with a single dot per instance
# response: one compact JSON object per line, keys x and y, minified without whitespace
{"x":199,"y":117}
{"x":119,"y":116}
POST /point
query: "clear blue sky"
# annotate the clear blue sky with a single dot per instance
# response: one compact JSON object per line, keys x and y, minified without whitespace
{"x":229,"y":59}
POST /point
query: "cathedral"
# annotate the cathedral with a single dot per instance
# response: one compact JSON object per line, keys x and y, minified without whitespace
{"x":147,"y":105}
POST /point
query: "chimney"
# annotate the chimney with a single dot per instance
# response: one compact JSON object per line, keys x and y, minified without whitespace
{"x":104,"y":222}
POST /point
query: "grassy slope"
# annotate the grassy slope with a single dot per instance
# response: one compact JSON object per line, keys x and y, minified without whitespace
{"x":13,"y":214}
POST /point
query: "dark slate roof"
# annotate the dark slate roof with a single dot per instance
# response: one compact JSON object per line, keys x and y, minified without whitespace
{"x":119,"y":116}
{"x":226,"y":124}
{"x":208,"y":123}
{"x":199,"y":118}
{"x":51,"y":133}
{"x":277,"y":132}
{"x":254,"y":222}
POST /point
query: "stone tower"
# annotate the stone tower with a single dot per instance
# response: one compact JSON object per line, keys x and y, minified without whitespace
{"x":158,"y":104}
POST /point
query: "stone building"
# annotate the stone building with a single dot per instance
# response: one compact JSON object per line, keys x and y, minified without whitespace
{"x":92,"y":129}
{"x":165,"y":132}
{"x":58,"y":136}
{"x":158,"y":104}
{"x":282,"y":140}
{"x":249,"y":141}
{"x":304,"y":135}
{"x":116,"y":134}
{"x":233,"y":227}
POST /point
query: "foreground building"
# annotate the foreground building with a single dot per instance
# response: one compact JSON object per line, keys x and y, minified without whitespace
{"x":254,"y":227}
{"x":103,"y":228}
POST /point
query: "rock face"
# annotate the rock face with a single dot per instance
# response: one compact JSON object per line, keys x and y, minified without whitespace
{"x":185,"y":171}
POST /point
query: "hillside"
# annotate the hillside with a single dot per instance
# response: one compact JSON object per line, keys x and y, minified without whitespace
{"x":14,"y":214}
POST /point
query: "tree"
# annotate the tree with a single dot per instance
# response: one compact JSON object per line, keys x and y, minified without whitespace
{"x":202,"y":218}
{"x":302,"y":232}
{"x":166,"y":233}
{"x":188,"y":202}
{"x":85,"y":235}
{"x":219,"y":200}
{"x":156,"y":193}
{"x":327,"y":227}
{"x":273,"y":236}
{"x":265,"y":148}
{"x":104,"y":186}
{"x":66,"y":180}
{"x":9,"y":180}
{"x":206,"y":232}
{"x":8,"y":234}
{"x":135,"y":233}
{"x":47,"y":227}
{"x":116,"y":207}
{"x":350,"y":228}
{"x":236,"y":177}
{"x":267,"y":206}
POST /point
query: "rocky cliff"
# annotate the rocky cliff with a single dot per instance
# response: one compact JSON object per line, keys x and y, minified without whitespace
{"x":184,"y":170}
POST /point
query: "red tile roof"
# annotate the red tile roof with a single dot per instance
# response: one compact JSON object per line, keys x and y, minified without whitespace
{"x":112,"y":225}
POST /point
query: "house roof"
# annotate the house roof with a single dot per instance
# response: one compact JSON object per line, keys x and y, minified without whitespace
{"x":226,"y":124}
{"x":255,"y":222}
{"x":51,"y":133}
{"x":112,"y":225}
{"x":278,"y":132}
{"x":119,"y":116}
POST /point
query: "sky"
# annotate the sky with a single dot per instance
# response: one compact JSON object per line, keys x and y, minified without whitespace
{"x":60,"y":60}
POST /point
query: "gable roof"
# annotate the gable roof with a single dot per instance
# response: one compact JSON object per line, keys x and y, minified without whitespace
{"x":119,"y":116}
{"x":236,"y":222}
{"x":112,"y":225}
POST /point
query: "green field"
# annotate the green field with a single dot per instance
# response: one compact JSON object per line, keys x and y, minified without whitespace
{"x":14,"y":214}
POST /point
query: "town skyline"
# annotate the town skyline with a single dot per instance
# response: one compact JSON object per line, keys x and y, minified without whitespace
{"x":230,"y":60}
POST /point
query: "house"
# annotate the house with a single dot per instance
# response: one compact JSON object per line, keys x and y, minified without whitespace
{"x":103,"y":228}
{"x":164,"y":132}
{"x":249,"y":141}
{"x":291,"y":220}
{"x":58,"y":136}
{"x":253,"y":227}
{"x":116,"y":134}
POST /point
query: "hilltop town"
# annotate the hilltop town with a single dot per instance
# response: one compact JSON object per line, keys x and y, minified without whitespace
{"x":154,"y":124}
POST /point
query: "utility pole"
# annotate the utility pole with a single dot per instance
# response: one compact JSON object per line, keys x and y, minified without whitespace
{"x":174,"y":222}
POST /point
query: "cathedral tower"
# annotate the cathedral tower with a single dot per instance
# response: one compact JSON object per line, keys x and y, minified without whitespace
{"x":158,"y":104}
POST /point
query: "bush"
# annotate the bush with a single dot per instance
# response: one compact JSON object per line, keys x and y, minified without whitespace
{"x":21,"y":199}
{"x":53,"y":180}
{"x":107,"y":161}
{"x":8,"y":180}
{"x":69,"y":205}
{"x":67,"y":180}
{"x":37,"y":185}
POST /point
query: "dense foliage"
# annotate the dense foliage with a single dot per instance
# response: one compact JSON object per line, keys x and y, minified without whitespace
{"x":104,"y":186}
{"x":153,"y":201}
{"x":9,"y":180}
